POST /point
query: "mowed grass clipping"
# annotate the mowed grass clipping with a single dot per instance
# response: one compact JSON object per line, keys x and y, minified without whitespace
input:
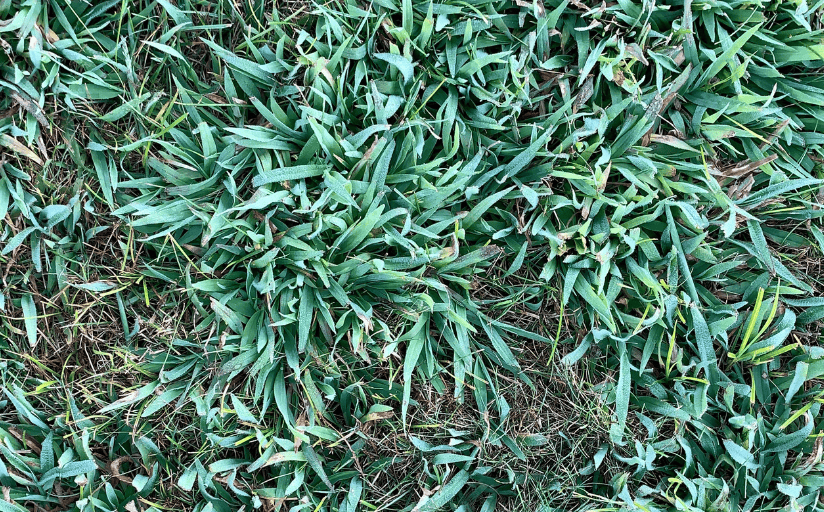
{"x":411,"y":256}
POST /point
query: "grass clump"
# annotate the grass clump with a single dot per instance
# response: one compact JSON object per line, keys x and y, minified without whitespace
{"x":412,"y":256}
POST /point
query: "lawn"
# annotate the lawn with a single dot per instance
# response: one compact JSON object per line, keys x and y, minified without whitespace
{"x":418,"y":256}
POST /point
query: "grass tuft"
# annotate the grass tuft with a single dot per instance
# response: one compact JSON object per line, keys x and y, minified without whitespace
{"x":411,"y":256}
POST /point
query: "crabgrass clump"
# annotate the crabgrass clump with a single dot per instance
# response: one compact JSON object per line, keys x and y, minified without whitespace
{"x":411,"y":256}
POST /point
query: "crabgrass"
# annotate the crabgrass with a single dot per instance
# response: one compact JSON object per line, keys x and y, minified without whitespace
{"x":411,"y":256}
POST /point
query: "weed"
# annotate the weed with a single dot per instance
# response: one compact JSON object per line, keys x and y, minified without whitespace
{"x":412,"y":256}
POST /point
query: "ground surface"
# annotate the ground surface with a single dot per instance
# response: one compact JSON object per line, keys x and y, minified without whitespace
{"x":397,"y":255}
